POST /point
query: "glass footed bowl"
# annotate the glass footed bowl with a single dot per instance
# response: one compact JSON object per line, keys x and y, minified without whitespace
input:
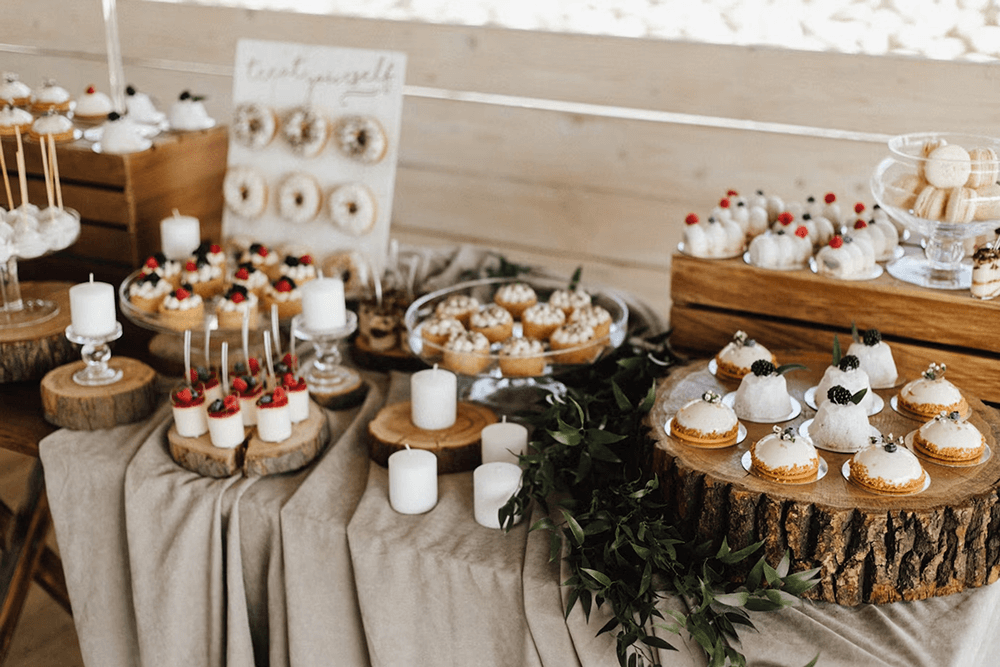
{"x":422,"y":310}
{"x":900,"y":187}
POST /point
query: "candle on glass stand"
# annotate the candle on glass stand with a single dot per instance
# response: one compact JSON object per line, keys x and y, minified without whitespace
{"x":504,"y":441}
{"x":413,"y":482}
{"x":433,"y":399}
{"x":92,"y":309}
{"x":323,"y":305}
{"x":493,"y":484}
{"x":180,"y":236}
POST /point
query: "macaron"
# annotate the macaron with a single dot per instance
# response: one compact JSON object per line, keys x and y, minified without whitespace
{"x":961,"y":205}
{"x":988,"y":204}
{"x":930,"y":203}
{"x":948,"y":167}
{"x":905,"y":188}
{"x":985,"y":167}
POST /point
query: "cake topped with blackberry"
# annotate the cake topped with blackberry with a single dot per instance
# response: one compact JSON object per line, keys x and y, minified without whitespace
{"x":875,"y":358}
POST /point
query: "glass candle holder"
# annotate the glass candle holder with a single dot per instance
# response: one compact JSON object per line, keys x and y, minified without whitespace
{"x":96,"y":355}
{"x":324,"y":373}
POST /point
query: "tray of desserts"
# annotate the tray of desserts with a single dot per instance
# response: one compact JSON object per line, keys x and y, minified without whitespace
{"x":515,"y":327}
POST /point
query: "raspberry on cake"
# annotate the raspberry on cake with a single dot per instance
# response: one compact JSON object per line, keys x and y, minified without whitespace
{"x":949,"y":439}
{"x":236,"y":304}
{"x":274,"y":418}
{"x":522,"y":357}
{"x":298,"y":396}
{"x":541,"y":320}
{"x":206,"y":382}
{"x":211,"y":253}
{"x":846,"y":258}
{"x":516,"y":298}
{"x":250,"y":277}
{"x":187,"y":405}
{"x":735,"y":359}
{"x":299,"y":268}
{"x":263,"y":259}
{"x":784,"y":456}
{"x":705,"y":422}
{"x":886,"y":466}
{"x":286,"y":294}
{"x":182,"y":309}
{"x":467,"y":353}
{"x":931,"y":394}
{"x":713,"y":238}
{"x":147,"y":291}
{"x":248,"y":389}
{"x":225,"y":423}
{"x":205,"y":278}
{"x":493,"y":321}
{"x":168,"y":269}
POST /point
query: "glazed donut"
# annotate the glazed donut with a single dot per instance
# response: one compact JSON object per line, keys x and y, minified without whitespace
{"x":254,"y":126}
{"x":299,"y":198}
{"x":245,"y":192}
{"x":361,"y":138}
{"x":351,"y":267}
{"x":352,"y":207}
{"x":305,"y":131}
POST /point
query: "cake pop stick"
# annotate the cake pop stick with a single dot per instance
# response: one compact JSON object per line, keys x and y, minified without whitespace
{"x":20,"y":166}
{"x":291,"y":349}
{"x":208,"y":344}
{"x":246,"y":337}
{"x":187,"y":356}
{"x":45,"y":171}
{"x":225,"y":368}
{"x":54,"y":161}
{"x":267,"y":359}
{"x":275,"y":329}
{"x":6,"y":178}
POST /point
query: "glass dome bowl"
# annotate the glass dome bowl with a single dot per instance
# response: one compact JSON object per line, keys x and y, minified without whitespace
{"x":948,"y":196}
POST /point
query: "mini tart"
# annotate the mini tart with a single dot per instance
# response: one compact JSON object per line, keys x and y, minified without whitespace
{"x":459,"y":306}
{"x":59,"y":127}
{"x":284,"y":293}
{"x":735,"y":359}
{"x":263,"y":259}
{"x":50,"y":97}
{"x":299,"y":268}
{"x":168,"y":269}
{"x":569,"y":300}
{"x":595,"y":316}
{"x":182,"y":309}
{"x":235,"y":302}
{"x":438,"y":330}
{"x":147,"y":291}
{"x":203,"y":277}
{"x":250,"y":277}
{"x":522,"y":357}
{"x":705,"y":424}
{"x":541,"y":320}
{"x":784,"y":459}
{"x":579,"y":342}
{"x":896,"y":472}
{"x":926,"y":398}
{"x":516,"y":298}
{"x":211,"y":253}
{"x":949,"y":440}
{"x":14,"y":92}
{"x":467,"y":353}
{"x":493,"y":321}
{"x":13,"y":119}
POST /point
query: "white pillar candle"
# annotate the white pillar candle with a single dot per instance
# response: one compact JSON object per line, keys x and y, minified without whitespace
{"x":413,"y":482}
{"x":504,"y":441}
{"x":180,"y":236}
{"x":323,"y":304}
{"x":433,"y":399}
{"x":493,"y":484}
{"x":92,"y":309}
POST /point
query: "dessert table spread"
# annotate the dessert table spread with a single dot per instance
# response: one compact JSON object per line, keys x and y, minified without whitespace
{"x":165,"y":567}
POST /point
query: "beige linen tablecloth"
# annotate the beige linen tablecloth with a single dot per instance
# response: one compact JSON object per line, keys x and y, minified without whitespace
{"x":314,"y":568}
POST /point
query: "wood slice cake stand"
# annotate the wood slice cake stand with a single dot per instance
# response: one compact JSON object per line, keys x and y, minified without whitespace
{"x":253,"y":456}
{"x":457,"y":448}
{"x":350,"y":392}
{"x":869,"y":547}
{"x":28,"y":353}
{"x":69,"y":405}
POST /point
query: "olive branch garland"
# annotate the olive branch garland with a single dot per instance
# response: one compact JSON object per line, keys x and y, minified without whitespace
{"x":590,"y":456}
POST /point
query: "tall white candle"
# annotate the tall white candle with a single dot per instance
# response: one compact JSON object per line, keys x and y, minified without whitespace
{"x":503,"y":441}
{"x":323,"y":304}
{"x":413,"y":482}
{"x":433,"y":399}
{"x":92,"y":309}
{"x":180,"y":236}
{"x":493,"y":484}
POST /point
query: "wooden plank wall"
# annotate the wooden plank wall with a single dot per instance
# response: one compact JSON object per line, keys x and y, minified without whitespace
{"x":556,"y":149}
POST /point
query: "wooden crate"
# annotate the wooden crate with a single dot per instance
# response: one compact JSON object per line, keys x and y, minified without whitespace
{"x":122,"y":198}
{"x":801,"y":310}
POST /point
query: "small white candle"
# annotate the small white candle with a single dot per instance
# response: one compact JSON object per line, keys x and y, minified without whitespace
{"x":92,"y":309}
{"x":504,"y":441}
{"x":433,"y":399}
{"x":323,"y":304}
{"x":413,"y":482}
{"x":493,"y":484}
{"x":180,"y":235}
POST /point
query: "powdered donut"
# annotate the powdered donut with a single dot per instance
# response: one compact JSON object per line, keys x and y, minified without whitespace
{"x":245,"y":192}
{"x":349,"y":266}
{"x":361,"y":138}
{"x":352,"y":207}
{"x":254,"y":126}
{"x":305,"y":131}
{"x":299,"y":198}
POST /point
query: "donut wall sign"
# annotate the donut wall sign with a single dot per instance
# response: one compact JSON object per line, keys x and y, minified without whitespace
{"x":312,"y":147}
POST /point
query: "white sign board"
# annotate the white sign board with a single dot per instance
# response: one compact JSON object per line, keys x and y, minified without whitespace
{"x":340,"y":88}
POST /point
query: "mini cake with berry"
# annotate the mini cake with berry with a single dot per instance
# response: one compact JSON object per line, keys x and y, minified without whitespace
{"x":541,"y":320}
{"x":516,"y":298}
{"x":784,"y":456}
{"x":251,"y":278}
{"x":714,"y":238}
{"x":781,"y":250}
{"x":225,"y":423}
{"x":188,"y":114}
{"x":950,"y":440}
{"x":883,"y":237}
{"x":204,"y":278}
{"x":182,"y":309}
{"x":846,"y":258}
{"x":286,"y":295}
{"x":248,"y":388}
{"x":298,"y":396}
{"x":437,"y":331}
{"x":875,"y":357}
{"x":250,"y":367}
{"x":763,"y":393}
{"x":169,"y":269}
{"x":575,"y":343}
{"x":211,"y":253}
{"x":735,"y":359}
{"x":236,"y":303}
{"x":522,"y":357}
{"x":705,"y":422}
{"x":92,"y":107}
{"x":595,"y":316}
{"x":827,"y":208}
{"x":147,"y":292}
{"x":846,"y":373}
{"x":206,"y":382}
{"x":931,"y":394}
{"x":467,"y":353}
{"x":459,"y":306}
{"x":299,"y":268}
{"x":820,"y":229}
{"x":569,"y":300}
{"x":274,"y":416}
{"x":262,"y":258}
{"x":841,"y":424}
{"x":188,"y":406}
{"x":493,"y":321}
{"x":886,"y":466}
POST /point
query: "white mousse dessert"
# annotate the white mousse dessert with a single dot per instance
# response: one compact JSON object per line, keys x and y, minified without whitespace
{"x":931,"y":394}
{"x":784,"y":456}
{"x":248,"y":389}
{"x":298,"y":397}
{"x":705,"y":421}
{"x":849,"y":375}
{"x":763,"y":394}
{"x":875,"y":357}
{"x":840,"y":425}
{"x":274,"y":419}
{"x":188,"y":406}
{"x":188,"y":114}
{"x":886,"y":466}
{"x":735,"y":359}
{"x":949,"y":439}
{"x":225,"y":423}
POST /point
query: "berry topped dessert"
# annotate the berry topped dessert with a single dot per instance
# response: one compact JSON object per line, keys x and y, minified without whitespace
{"x":274,"y":422}
{"x":298,"y":395}
{"x":165,"y":268}
{"x":734,"y":360}
{"x":236,"y":303}
{"x":285,"y":293}
{"x":763,"y":393}
{"x":188,"y":113}
{"x":841,"y":424}
{"x":875,"y":357}
{"x":262,"y":258}
{"x":931,"y":394}
{"x":249,"y":276}
{"x":848,"y":374}
{"x":182,"y":309}
{"x":206,"y":382}
{"x":188,"y":405}
{"x":248,"y":389}
{"x":147,"y":291}
{"x":93,"y":106}
{"x":211,"y":253}
{"x":225,"y":423}
{"x":204,"y":277}
{"x":300,"y":268}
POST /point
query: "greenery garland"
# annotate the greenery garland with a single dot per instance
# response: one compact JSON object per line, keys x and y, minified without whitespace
{"x":590,"y":456}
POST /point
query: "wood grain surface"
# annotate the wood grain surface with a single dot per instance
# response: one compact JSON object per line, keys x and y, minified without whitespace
{"x":308,"y":440}
{"x":70,"y":405}
{"x":28,"y":353}
{"x":201,"y":456}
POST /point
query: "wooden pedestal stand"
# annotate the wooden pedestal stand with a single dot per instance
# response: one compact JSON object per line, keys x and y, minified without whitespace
{"x":352,"y":392}
{"x":73,"y":406}
{"x":28,"y":353}
{"x":457,"y":448}
{"x":200,"y":456}
{"x":869,"y":548}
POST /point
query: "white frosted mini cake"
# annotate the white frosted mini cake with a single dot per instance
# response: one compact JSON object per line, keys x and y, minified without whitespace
{"x":763,"y":394}
{"x":784,"y":456}
{"x":840,"y":425}
{"x":875,"y":357}
{"x":735,"y":359}
{"x":931,"y":394}
{"x":705,"y":422}
{"x":887,"y":467}
{"x":849,"y":375}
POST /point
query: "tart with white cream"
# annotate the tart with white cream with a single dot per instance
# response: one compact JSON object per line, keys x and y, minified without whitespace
{"x":705,"y":422}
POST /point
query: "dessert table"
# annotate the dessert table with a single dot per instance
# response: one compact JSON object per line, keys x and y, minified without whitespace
{"x":165,"y":567}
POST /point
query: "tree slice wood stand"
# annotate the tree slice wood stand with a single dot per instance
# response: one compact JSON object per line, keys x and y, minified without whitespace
{"x":457,"y":448}
{"x":69,"y":405}
{"x":869,"y":548}
{"x":201,"y":456}
{"x":29,"y":352}
{"x":350,"y":393}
